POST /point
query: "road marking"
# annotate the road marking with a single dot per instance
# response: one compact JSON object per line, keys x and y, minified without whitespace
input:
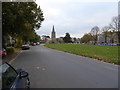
{"x":38,"y":67}
{"x":43,"y":69}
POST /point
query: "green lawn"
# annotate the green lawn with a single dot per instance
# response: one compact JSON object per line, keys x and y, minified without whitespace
{"x":100,"y":52}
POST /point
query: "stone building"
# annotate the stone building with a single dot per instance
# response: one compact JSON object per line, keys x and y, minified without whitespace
{"x":111,"y":38}
{"x":53,"y":36}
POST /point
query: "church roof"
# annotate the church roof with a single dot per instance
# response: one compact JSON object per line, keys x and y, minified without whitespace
{"x":53,"y":30}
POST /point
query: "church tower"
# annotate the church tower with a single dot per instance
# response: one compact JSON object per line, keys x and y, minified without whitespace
{"x":53,"y":34}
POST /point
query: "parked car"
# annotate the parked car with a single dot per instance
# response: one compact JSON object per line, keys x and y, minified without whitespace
{"x":3,"y":52}
{"x":13,"y":79}
{"x":118,"y":44}
{"x":33,"y":44}
{"x":37,"y":43}
{"x":25,"y":47}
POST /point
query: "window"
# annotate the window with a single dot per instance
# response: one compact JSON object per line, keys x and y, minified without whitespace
{"x":8,"y":76}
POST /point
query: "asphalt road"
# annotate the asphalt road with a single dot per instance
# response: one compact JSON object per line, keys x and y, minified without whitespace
{"x":50,"y":68}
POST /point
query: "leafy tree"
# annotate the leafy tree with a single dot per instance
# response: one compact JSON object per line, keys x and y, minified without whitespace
{"x":47,"y":36}
{"x":87,"y":38}
{"x":75,"y":40}
{"x":36,"y":38}
{"x":67,"y":38}
{"x":20,"y":19}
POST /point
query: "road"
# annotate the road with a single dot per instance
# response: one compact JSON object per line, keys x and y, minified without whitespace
{"x":50,"y":68}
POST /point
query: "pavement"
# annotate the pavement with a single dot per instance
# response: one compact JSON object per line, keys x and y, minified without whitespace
{"x":10,"y":58}
{"x":50,"y":68}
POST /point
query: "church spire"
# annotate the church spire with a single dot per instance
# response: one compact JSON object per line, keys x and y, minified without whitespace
{"x":53,"y":30}
{"x":53,"y":33}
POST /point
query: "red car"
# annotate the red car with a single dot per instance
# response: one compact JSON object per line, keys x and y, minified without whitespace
{"x":25,"y":47}
{"x":33,"y":44}
{"x":3,"y":53}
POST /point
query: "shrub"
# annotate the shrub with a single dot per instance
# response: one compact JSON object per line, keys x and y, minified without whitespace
{"x":18,"y":43}
{"x":10,"y":50}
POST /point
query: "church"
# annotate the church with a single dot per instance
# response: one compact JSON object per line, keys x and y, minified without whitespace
{"x":53,"y":37}
{"x":53,"y":34}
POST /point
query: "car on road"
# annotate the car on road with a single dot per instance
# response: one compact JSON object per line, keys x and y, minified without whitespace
{"x":33,"y":44}
{"x":25,"y":47}
{"x":37,"y":43}
{"x":3,"y":53}
{"x":118,"y":44}
{"x":13,"y":79}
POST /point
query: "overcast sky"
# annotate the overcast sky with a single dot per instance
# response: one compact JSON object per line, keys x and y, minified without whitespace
{"x":76,"y":17}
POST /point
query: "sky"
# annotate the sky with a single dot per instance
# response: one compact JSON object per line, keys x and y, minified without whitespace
{"x":75,"y":17}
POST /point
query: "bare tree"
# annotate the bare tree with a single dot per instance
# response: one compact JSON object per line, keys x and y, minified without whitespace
{"x":114,"y":24}
{"x":94,"y":32}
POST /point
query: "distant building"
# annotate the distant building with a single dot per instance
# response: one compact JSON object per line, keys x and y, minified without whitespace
{"x":43,"y":37}
{"x":53,"y":34}
{"x":53,"y":37}
{"x":75,"y":40}
{"x":112,"y":38}
{"x":60,"y":40}
{"x":101,"y":39}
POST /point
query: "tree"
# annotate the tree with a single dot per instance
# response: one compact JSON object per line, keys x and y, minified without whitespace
{"x":47,"y":36}
{"x":94,"y":32}
{"x":67,"y":38}
{"x":36,"y":38}
{"x":87,"y":38}
{"x":114,"y":24}
{"x":20,"y":19}
{"x":74,"y":40}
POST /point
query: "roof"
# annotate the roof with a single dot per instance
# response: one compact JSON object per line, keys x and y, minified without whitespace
{"x":53,"y":30}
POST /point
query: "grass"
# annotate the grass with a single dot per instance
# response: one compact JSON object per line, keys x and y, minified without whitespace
{"x":100,"y":52}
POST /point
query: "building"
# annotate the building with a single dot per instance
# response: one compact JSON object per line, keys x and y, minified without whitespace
{"x":111,"y":38}
{"x":53,"y":34}
{"x":53,"y":37}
